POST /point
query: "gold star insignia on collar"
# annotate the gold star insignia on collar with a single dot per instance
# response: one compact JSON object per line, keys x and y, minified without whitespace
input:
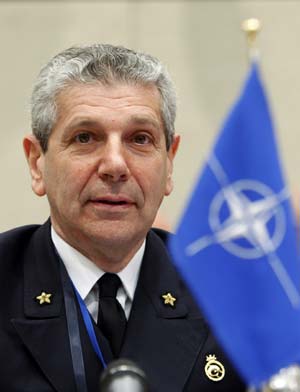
{"x":44,"y":298}
{"x":168,"y":299}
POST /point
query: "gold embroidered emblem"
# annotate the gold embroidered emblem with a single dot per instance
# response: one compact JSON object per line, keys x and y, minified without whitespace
{"x":168,"y":299}
{"x":214,"y":370}
{"x":44,"y":298}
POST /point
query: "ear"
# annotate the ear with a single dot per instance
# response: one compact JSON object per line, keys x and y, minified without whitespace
{"x":35,"y":159}
{"x":171,"y":155}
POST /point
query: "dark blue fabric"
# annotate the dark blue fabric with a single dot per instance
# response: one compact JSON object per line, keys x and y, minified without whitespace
{"x":169,"y":343}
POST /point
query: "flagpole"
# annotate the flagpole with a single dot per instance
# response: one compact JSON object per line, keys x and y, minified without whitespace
{"x":252,"y":27}
{"x":287,"y":379}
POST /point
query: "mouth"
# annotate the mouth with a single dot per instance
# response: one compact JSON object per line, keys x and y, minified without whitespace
{"x":111,"y":202}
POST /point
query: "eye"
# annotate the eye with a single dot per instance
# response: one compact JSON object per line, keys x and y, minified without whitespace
{"x":141,"y":139}
{"x":83,"y":137}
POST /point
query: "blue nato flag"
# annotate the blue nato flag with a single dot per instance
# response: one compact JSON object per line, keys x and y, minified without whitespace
{"x":236,"y":243}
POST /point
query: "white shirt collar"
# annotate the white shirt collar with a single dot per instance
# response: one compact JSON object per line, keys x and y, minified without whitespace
{"x":84,"y":273}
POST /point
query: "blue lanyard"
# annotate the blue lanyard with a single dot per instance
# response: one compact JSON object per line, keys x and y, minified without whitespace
{"x":90,"y":328}
{"x":73,"y":330}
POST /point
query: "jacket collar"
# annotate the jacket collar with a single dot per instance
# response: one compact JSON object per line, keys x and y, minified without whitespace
{"x":43,"y":329}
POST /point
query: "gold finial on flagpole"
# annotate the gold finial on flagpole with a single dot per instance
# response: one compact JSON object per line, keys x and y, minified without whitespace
{"x":252,"y":27}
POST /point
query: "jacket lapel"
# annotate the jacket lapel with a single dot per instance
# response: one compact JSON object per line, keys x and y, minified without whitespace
{"x":43,"y":329}
{"x":155,"y":327}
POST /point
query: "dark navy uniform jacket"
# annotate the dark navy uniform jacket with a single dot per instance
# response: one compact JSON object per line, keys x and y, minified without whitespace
{"x":170,"y":343}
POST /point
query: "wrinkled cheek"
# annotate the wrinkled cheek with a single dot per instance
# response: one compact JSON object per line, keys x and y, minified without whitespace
{"x":61,"y":197}
{"x":154,"y":199}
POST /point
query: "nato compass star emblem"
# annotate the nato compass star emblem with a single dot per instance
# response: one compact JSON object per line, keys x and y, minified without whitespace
{"x":254,"y":224}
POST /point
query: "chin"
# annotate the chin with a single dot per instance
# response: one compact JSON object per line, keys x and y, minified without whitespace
{"x":115,"y":236}
{"x":114,"y":232}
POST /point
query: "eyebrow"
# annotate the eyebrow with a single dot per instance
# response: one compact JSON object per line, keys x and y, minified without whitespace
{"x":135,"y":119}
{"x":142,"y":120}
{"x":83,"y":123}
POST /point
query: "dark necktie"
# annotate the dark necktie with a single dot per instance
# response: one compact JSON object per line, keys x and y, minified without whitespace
{"x":111,"y":316}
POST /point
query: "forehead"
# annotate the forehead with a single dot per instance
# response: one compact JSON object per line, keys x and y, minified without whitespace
{"x":115,"y":99}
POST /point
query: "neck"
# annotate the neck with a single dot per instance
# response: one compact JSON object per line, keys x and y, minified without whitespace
{"x":109,"y":257}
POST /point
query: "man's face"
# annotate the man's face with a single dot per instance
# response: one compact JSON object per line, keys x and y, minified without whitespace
{"x":106,"y":169}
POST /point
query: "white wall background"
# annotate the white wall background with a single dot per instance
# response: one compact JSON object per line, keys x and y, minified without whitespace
{"x":204,"y":49}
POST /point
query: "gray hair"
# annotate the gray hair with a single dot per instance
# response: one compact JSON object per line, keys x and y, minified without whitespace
{"x":104,"y":63}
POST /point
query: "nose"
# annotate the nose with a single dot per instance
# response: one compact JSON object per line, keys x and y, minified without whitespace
{"x":113,"y":165}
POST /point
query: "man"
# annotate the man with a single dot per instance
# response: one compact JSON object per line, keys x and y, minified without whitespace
{"x":102,"y":152}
